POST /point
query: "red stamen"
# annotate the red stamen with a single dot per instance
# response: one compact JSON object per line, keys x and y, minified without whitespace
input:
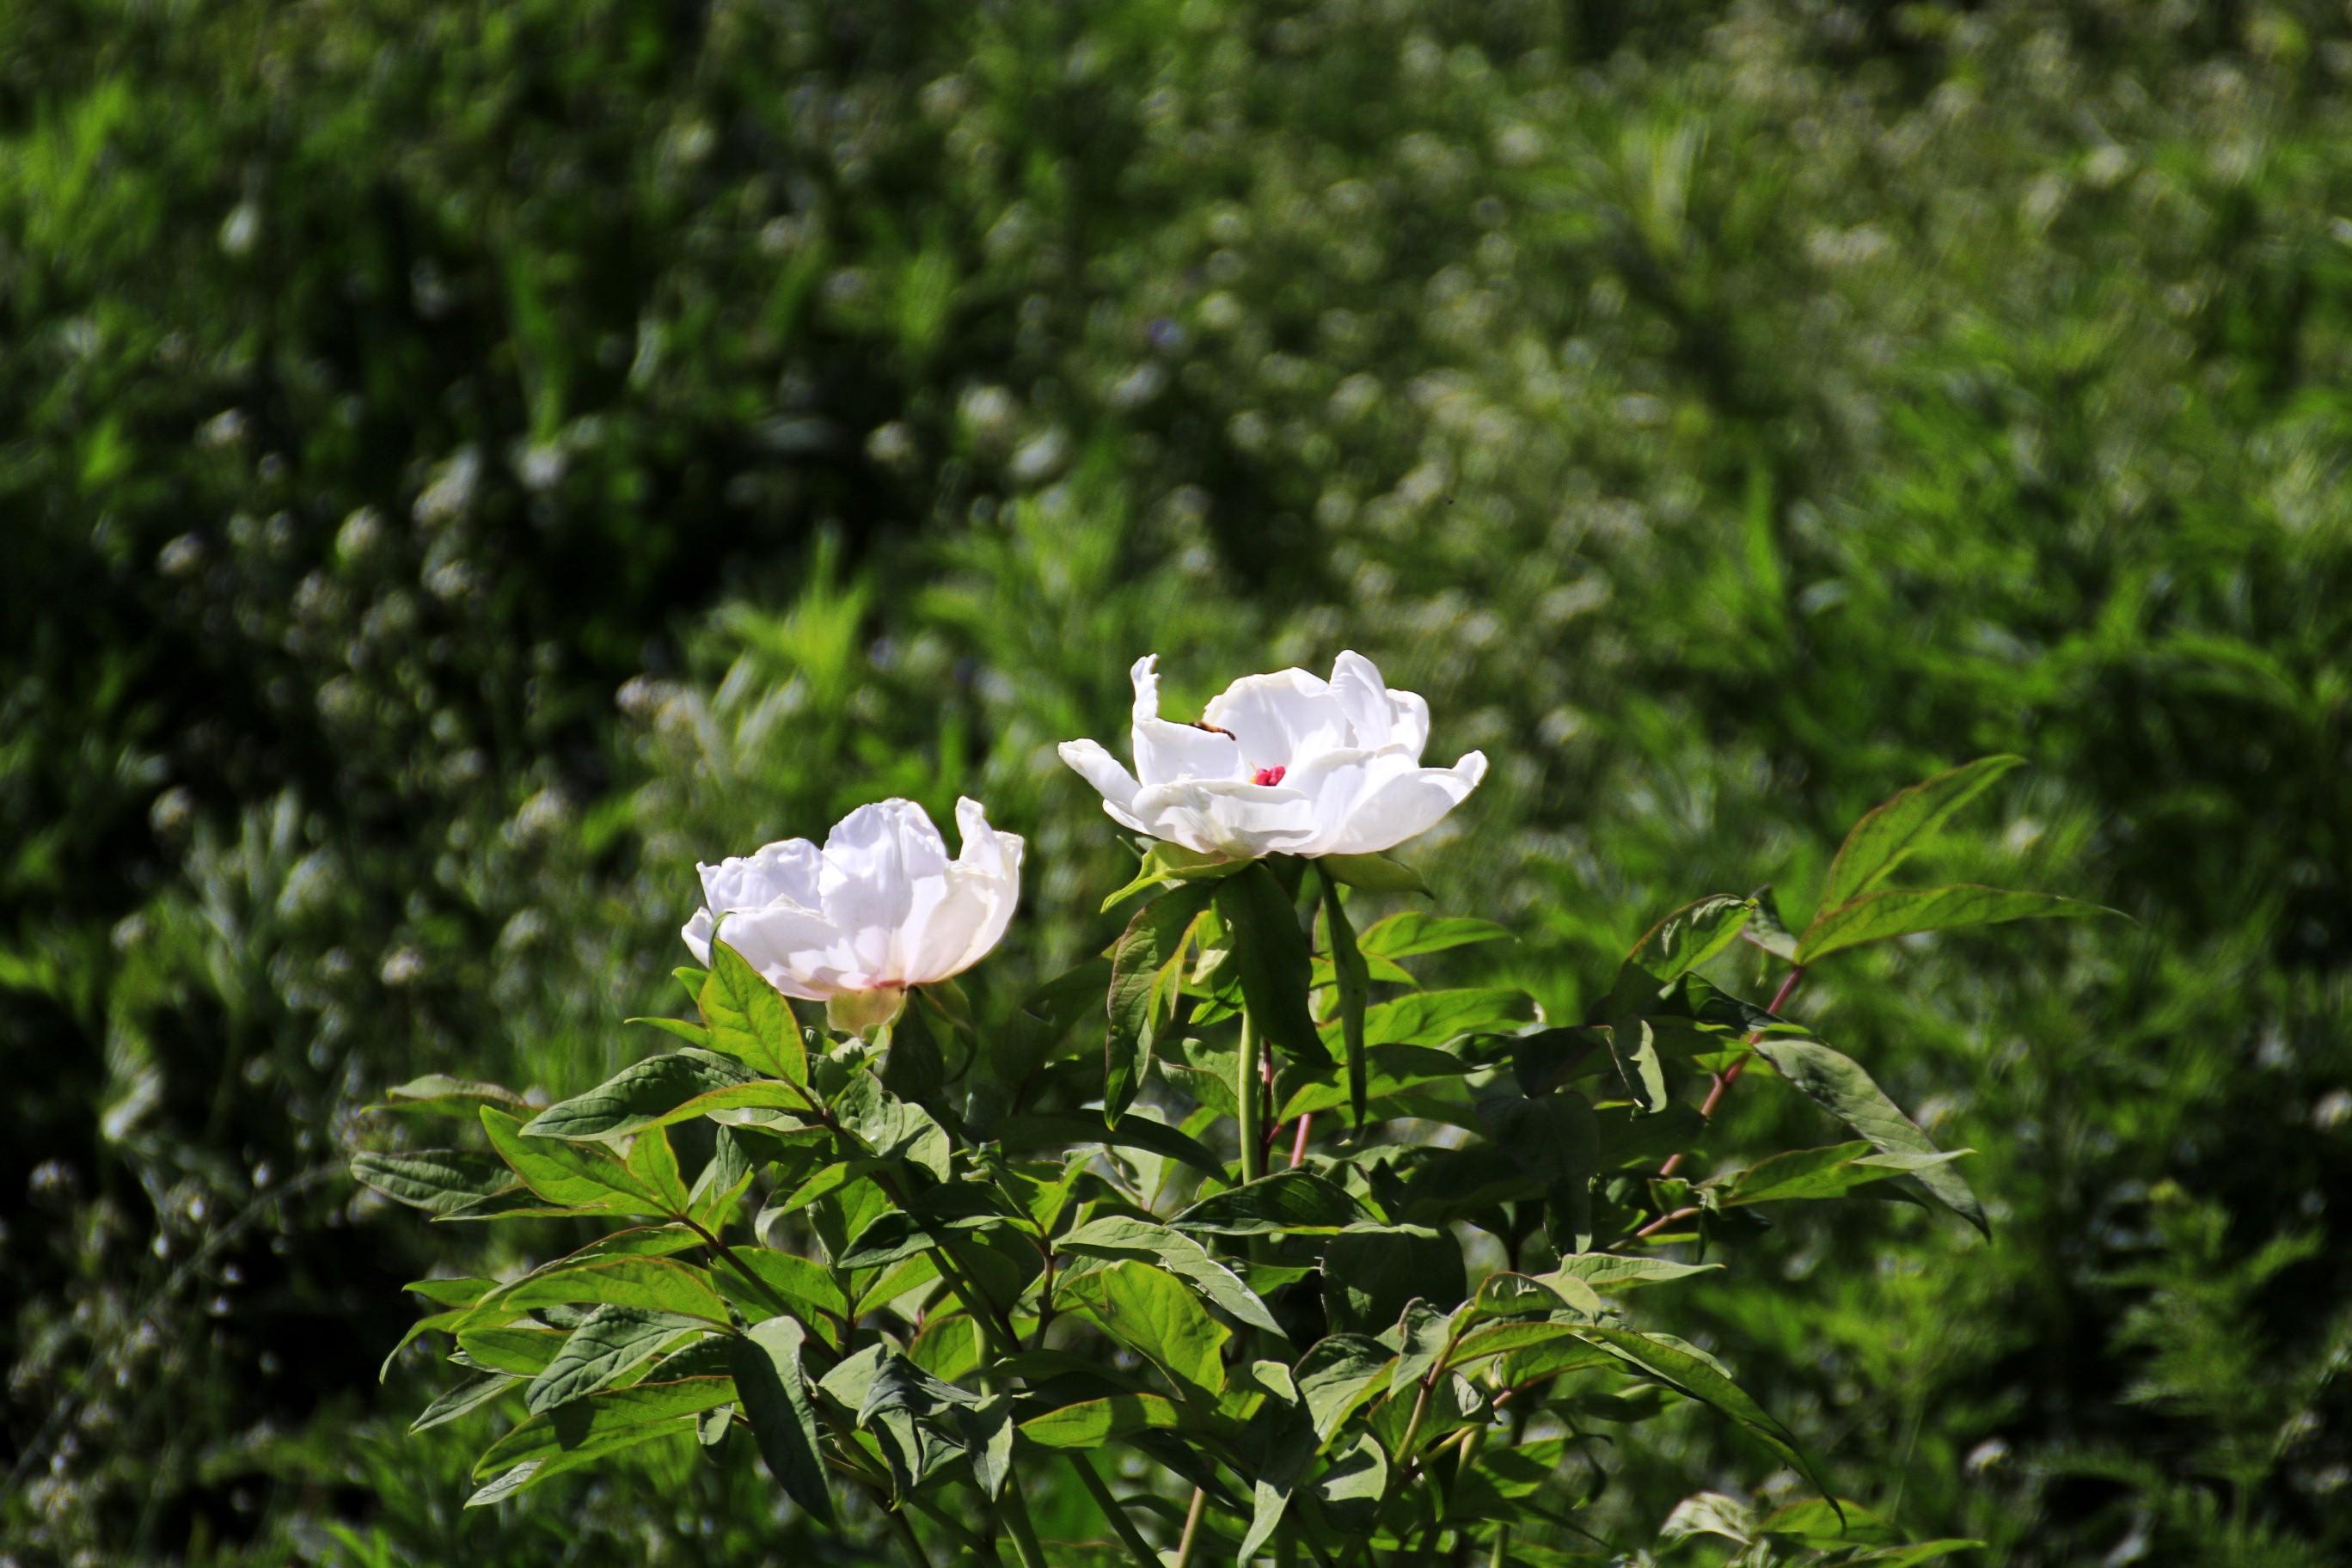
{"x":1268,"y":775}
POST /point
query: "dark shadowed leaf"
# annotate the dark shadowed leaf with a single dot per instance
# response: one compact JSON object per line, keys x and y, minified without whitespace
{"x":774,"y":1390}
{"x":1838,"y":1084}
{"x":1270,"y":956}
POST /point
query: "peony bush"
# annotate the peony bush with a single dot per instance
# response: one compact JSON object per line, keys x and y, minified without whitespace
{"x":1270,"y":1248}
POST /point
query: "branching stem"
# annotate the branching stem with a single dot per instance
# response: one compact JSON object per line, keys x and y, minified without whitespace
{"x":1730,"y":1075}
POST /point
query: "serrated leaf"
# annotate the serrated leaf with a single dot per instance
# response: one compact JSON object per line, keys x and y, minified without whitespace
{"x":1899,"y":824}
{"x":1270,"y":958}
{"x":747,"y":1018}
{"x":769,"y":1377}
{"x":1838,"y":1084}
{"x":1146,"y":967}
{"x":1907,"y":912}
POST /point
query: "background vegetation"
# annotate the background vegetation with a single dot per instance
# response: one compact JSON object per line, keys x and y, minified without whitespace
{"x":463,"y":462}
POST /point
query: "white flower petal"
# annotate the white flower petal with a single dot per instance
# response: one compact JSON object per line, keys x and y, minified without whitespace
{"x":1389,"y":812}
{"x":1280,"y":718}
{"x":696,"y":933}
{"x":1363,"y":697}
{"x":1114,"y":782}
{"x":797,"y":950}
{"x":1227,"y":816}
{"x":787,"y":869}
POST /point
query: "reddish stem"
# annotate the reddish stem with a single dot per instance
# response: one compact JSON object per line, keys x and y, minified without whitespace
{"x":1298,"y":1144}
{"x":1730,"y":1075}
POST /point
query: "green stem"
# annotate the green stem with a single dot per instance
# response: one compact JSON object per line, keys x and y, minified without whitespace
{"x":1023,"y":1531}
{"x":1138,"y":1547}
{"x":1250,"y":1095}
{"x":1191,"y":1527}
{"x":907,"y":1538}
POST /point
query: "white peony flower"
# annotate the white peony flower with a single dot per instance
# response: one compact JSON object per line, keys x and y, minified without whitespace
{"x":1285,"y":764}
{"x":878,"y":908}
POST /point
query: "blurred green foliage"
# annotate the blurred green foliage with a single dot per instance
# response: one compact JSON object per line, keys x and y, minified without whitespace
{"x":462,"y":463}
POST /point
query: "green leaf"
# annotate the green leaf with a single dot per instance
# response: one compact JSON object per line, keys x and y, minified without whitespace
{"x":1634,"y":1047}
{"x":1838,"y":1084}
{"x":609,"y":1420}
{"x":660,"y":1090}
{"x":1903,"y":911}
{"x":1156,"y":1315}
{"x":891,"y":1127}
{"x":1708,"y":1513}
{"x":1404,"y":935}
{"x":471,"y":1394}
{"x":747,"y":1018}
{"x":1895,"y":828}
{"x":438,"y":1181}
{"x":1373,"y":873}
{"x":774,"y":1389}
{"x":1505,"y":1295}
{"x":915,"y":1417}
{"x":1554,"y":1141}
{"x":949,"y":1347}
{"x":521,"y":1350}
{"x":1370,"y":1274}
{"x":1287,"y":1202}
{"x":1682,"y":1367}
{"x":1285,"y":1442}
{"x":614,"y":1340}
{"x":1337,"y":1375}
{"x":1434,"y":1017}
{"x":1117,"y":1236}
{"x":1134,"y":1131}
{"x":808,"y":1285}
{"x":1606,"y":1271}
{"x":1820,"y":1173}
{"x":655,"y":1284}
{"x":1353,"y":981}
{"x":1349,"y":1489}
{"x":724,"y":1180}
{"x":1164,"y":862}
{"x":1146,"y":967}
{"x":1270,"y":955}
{"x":1691,"y":935}
{"x":591,"y":1178}
{"x":693,"y":1033}
{"x":1091,"y":1423}
{"x":1765,"y":928}
{"x":653,"y":1163}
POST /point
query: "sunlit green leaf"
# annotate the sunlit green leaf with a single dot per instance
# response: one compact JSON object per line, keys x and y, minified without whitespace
{"x":1899,"y":824}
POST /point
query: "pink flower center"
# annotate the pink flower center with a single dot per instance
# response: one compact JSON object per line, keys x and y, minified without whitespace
{"x":1268,"y":775}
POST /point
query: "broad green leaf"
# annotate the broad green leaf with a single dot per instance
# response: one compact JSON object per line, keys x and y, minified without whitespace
{"x":1353,"y":981}
{"x":1691,"y":935}
{"x":1349,"y":1488}
{"x":1373,"y":873}
{"x":1270,"y":956}
{"x":1337,"y":1374}
{"x":1146,"y":972}
{"x":1606,"y":1271}
{"x":1091,"y":1423}
{"x":1682,"y":1367}
{"x":724,"y":1180}
{"x":1434,"y":1017}
{"x":1838,"y":1084}
{"x":1156,"y":1315}
{"x":915,"y":1419}
{"x":809,"y":1287}
{"x":1284,"y":1442}
{"x":1899,"y":824}
{"x":471,"y":1394}
{"x":1288,"y":1203}
{"x":1506,"y":1294}
{"x":523,"y":1350}
{"x":1634,"y":1047}
{"x":1903,"y":911}
{"x":1370,"y":1274}
{"x":1399,"y":1076}
{"x":1820,"y":1173}
{"x":891,"y":1127}
{"x":987,"y":1430}
{"x":1765,"y":928}
{"x":1413,"y":932}
{"x":563,"y":1174}
{"x":1813,"y":1524}
{"x":747,"y":1018}
{"x":1117,"y":1236}
{"x":660,"y":1090}
{"x":951,"y":1346}
{"x":1709,"y":1513}
{"x":594,"y":1424}
{"x":452,"y":1292}
{"x":612,"y":1340}
{"x":653,"y":1163}
{"x":1134,"y":1131}
{"x":693,"y":1033}
{"x":438,"y":1181}
{"x":591,"y":1447}
{"x":655,"y":1284}
{"x":774,"y":1390}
